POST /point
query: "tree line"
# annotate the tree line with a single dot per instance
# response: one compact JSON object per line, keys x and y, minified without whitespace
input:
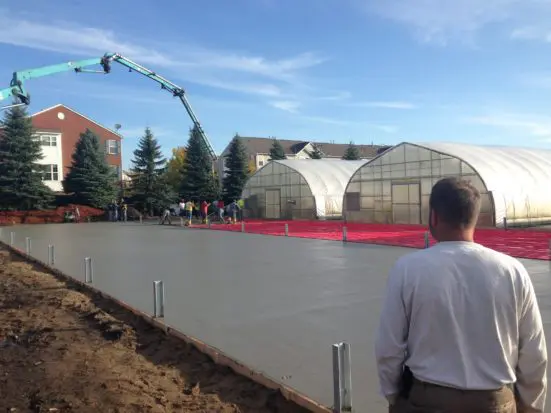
{"x":155,"y":182}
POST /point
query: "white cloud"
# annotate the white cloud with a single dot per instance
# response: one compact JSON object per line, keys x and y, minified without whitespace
{"x":532,"y":33}
{"x":286,"y":105}
{"x":525,"y":124}
{"x":439,"y":21}
{"x":213,"y":68}
{"x":385,"y":105}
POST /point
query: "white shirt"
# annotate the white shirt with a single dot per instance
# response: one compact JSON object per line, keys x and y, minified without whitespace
{"x":462,"y":316}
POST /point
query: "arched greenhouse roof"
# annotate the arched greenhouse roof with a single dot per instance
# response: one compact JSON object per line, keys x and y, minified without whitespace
{"x":324,"y":176}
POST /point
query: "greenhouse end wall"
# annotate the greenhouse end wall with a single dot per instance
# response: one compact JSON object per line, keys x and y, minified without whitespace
{"x":395,"y":187}
{"x":277,"y":191}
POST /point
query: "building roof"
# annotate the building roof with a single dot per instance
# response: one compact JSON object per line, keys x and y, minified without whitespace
{"x":60,"y":105}
{"x":291,"y":147}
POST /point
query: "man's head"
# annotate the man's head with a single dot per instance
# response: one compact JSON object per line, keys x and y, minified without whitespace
{"x":454,"y":208}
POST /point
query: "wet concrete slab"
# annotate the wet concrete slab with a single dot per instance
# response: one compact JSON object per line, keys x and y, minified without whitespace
{"x":276,"y":303}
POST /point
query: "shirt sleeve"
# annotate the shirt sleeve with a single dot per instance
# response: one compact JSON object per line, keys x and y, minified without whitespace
{"x":531,"y":385}
{"x":391,"y":341}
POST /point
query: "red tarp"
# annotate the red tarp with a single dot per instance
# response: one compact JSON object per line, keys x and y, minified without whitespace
{"x":519,"y":243}
{"x":46,"y":216}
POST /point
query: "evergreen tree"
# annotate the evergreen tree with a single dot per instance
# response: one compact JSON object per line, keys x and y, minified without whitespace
{"x":150,"y":188}
{"x":199,"y":181}
{"x":237,"y":170}
{"x":316,"y":153}
{"x":277,"y":151}
{"x":90,"y":179}
{"x":21,"y":185}
{"x":352,"y":153}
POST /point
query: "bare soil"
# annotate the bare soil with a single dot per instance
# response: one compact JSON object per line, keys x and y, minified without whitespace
{"x":65,"y":350}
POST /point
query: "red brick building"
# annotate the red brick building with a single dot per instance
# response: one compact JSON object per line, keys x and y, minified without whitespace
{"x":59,"y":128}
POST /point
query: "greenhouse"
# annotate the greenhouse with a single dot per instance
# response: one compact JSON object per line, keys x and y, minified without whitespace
{"x":298,"y":189}
{"x":395,"y":186}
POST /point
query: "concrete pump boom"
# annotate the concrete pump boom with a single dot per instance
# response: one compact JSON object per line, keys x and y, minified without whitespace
{"x":18,"y":91}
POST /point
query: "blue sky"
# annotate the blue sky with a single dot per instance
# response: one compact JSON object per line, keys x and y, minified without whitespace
{"x":381,"y":71}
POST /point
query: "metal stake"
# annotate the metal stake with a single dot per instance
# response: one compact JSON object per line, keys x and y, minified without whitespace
{"x":28,"y":245}
{"x":51,"y":255}
{"x":12,"y":238}
{"x":181,"y":221}
{"x":286,"y":230}
{"x":342,"y":378}
{"x":505,"y":223}
{"x":88,"y":271}
{"x":242,"y":226}
{"x":141,"y":220}
{"x":1,"y":233}
{"x":158,"y":299}
{"x":427,"y":241}
{"x":344,"y":234}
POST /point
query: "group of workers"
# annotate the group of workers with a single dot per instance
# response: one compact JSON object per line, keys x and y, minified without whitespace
{"x":117,"y":211}
{"x":225,"y":213}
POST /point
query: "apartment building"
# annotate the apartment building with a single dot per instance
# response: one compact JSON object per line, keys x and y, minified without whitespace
{"x":58,"y":128}
{"x":258,"y":151}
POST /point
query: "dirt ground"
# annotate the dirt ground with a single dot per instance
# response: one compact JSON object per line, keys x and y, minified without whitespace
{"x":62,"y":350}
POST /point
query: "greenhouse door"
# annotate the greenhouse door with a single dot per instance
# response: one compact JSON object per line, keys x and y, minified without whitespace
{"x":273,"y":204}
{"x":406,"y":203}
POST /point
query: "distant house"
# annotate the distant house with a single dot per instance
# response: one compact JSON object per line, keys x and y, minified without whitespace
{"x":58,"y":128}
{"x":258,"y":150}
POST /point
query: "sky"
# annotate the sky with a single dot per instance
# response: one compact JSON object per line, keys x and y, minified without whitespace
{"x":367,"y":71}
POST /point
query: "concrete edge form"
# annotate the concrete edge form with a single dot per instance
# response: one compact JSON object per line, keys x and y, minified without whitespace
{"x":217,"y":356}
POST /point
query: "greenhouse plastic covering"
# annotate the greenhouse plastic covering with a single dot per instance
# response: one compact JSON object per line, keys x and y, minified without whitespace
{"x":519,"y":178}
{"x":327,"y":179}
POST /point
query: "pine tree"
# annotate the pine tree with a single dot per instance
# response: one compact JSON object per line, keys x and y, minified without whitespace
{"x":21,"y":185}
{"x":277,"y":151}
{"x":352,"y":153}
{"x":90,"y":179}
{"x":316,"y":153}
{"x":150,"y":188}
{"x":237,"y":170}
{"x":199,"y":181}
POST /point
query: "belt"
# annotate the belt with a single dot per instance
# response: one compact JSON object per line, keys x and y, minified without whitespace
{"x":510,"y":386}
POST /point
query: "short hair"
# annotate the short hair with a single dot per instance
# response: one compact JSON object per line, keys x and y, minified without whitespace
{"x":456,"y":202}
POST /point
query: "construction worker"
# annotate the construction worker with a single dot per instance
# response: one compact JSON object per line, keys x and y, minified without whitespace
{"x":204,"y":211}
{"x":165,"y":217}
{"x":124,"y":212}
{"x":189,"y":210}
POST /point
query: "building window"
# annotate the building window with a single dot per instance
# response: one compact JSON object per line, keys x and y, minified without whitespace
{"x":48,"y":172}
{"x":112,"y":147}
{"x":47,"y":140}
{"x":260,"y":163}
{"x":116,"y":170}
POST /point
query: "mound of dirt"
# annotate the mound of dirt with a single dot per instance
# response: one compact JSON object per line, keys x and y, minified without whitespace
{"x":62,"y":350}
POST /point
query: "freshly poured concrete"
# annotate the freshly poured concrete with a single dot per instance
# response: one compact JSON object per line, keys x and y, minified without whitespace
{"x":276,"y":303}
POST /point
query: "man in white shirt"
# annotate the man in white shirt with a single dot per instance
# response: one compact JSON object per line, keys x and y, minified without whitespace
{"x":460,"y":329}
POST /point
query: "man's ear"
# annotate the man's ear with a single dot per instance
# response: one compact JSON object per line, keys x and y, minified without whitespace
{"x":433,"y":218}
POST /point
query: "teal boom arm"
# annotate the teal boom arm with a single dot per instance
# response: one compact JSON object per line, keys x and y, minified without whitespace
{"x":17,"y":84}
{"x":176,"y":91}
